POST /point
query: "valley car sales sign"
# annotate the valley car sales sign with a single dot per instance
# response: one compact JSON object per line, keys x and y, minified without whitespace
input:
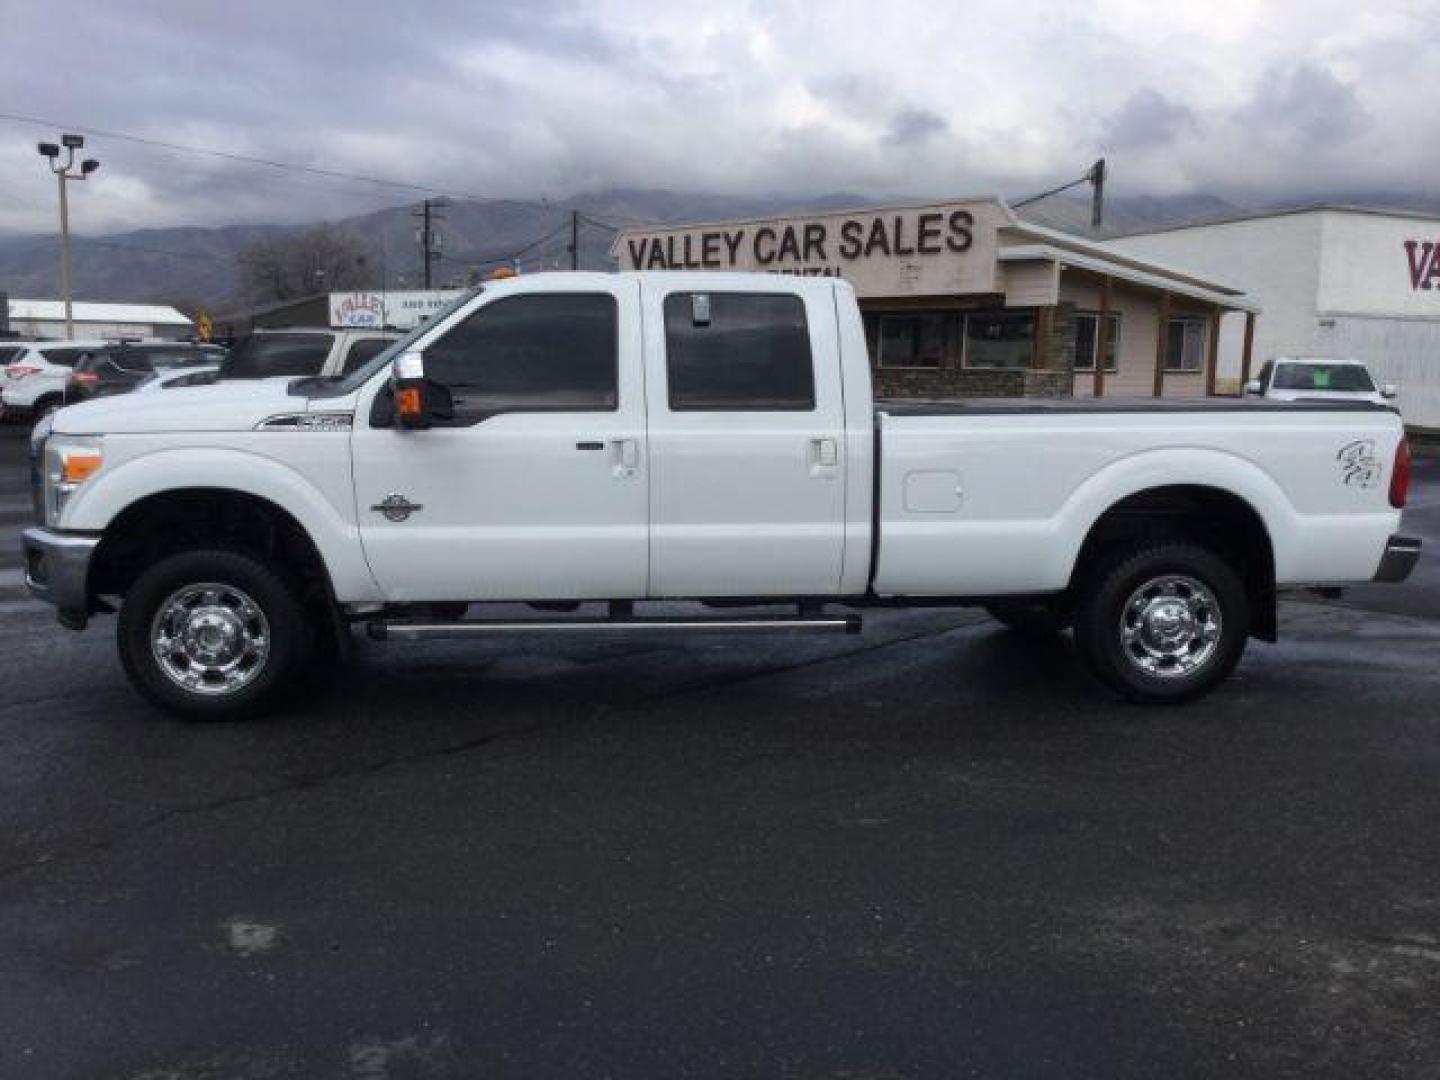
{"x":909,"y":250}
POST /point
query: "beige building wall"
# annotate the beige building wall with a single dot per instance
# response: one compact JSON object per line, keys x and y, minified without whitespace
{"x":1139,"y":313}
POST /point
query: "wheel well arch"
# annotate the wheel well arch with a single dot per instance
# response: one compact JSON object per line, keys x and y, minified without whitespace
{"x":1212,"y":517}
{"x":183,"y":519}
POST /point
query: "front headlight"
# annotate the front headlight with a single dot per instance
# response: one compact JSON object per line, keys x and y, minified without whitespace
{"x":70,"y":460}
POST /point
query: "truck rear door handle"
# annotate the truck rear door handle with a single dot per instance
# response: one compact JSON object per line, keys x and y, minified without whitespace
{"x":590,"y":444}
{"x":824,"y":457}
{"x":627,"y":457}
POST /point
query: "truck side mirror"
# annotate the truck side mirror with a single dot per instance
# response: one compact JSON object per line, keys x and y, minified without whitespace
{"x":407,"y":378}
{"x":1389,"y":390}
{"x":1253,"y":387}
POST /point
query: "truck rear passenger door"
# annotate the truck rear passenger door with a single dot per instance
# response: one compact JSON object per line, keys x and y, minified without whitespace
{"x":746,"y":439}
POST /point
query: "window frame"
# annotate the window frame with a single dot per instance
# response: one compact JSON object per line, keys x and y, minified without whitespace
{"x":1198,"y":320}
{"x":479,"y":312}
{"x":793,"y":297}
{"x":1116,"y":330}
{"x":1018,"y":313}
{"x":950,"y":321}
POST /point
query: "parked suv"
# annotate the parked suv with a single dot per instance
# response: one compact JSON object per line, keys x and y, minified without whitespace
{"x":118,"y":369}
{"x":34,"y":379}
{"x":303,"y":351}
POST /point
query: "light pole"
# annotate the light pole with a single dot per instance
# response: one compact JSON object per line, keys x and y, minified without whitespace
{"x":64,"y":172}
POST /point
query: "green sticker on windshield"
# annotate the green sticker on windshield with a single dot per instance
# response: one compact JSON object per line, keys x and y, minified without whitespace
{"x":1322,"y":379}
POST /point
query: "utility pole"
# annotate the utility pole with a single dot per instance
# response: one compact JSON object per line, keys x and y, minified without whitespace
{"x":1097,"y":193}
{"x":574,"y":239}
{"x":63,"y":174}
{"x":428,"y":235}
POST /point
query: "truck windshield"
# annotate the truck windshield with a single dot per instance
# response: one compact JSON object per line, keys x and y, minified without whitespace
{"x":1342,"y":377}
{"x":353,"y":380}
{"x":262,"y":355}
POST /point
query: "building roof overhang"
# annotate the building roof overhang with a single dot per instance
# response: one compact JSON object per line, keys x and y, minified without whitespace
{"x":1133,"y":272}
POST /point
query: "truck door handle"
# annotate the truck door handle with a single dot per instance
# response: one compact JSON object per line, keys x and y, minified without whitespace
{"x":590,"y":444}
{"x":627,"y":457}
{"x":824,"y":453}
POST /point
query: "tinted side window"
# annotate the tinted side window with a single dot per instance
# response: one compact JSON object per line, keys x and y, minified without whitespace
{"x":263,"y":355}
{"x":362,"y":352}
{"x":752,"y":353}
{"x":548,"y":352}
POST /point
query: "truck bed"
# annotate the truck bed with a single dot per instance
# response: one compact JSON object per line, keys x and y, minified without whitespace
{"x":1084,"y":406}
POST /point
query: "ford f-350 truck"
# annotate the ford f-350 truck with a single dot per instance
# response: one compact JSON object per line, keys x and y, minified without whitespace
{"x":560,"y":439}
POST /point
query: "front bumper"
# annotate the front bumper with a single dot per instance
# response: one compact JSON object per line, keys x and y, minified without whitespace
{"x":1401,"y":554}
{"x":57,"y":570}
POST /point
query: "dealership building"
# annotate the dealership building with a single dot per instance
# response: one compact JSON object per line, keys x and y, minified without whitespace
{"x":1335,"y":281}
{"x":962,"y":298}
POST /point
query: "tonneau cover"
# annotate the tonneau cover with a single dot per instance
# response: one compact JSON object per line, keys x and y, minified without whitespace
{"x":1056,"y":406}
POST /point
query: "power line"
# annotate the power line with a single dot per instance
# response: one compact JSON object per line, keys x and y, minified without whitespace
{"x":248,"y":159}
{"x":507,"y":256}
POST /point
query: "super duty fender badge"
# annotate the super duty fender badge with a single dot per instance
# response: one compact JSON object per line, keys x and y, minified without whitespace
{"x":1359,"y":467}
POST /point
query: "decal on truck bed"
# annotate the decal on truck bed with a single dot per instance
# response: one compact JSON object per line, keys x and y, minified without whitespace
{"x":1359,"y":467}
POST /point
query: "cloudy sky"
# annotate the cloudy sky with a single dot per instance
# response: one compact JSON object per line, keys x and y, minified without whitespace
{"x":1255,"y":100}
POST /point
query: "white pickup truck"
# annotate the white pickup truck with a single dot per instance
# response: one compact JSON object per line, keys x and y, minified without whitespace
{"x":617,"y":439}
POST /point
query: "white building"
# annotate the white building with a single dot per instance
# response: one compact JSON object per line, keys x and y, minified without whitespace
{"x":46,"y":319}
{"x":1335,"y":281}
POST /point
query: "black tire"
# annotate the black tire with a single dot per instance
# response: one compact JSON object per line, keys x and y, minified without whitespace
{"x":1136,"y":659}
{"x":45,"y":406}
{"x":286,"y":630}
{"x":1033,"y":618}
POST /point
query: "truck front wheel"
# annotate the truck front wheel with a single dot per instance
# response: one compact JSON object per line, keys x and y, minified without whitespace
{"x":212,"y":634}
{"x":1164,"y":623}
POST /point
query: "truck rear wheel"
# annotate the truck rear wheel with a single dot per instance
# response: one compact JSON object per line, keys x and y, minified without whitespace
{"x":1164,"y":623}
{"x":212,"y":634}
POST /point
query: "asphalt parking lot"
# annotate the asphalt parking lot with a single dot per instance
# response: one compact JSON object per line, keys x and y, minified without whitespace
{"x":935,"y":850}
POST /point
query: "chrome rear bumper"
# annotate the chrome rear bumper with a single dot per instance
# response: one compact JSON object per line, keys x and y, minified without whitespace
{"x":57,"y":570}
{"x":1401,"y":554}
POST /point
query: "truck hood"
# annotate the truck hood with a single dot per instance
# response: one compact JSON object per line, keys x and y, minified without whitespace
{"x":1328,"y":395}
{"x":226,"y":406}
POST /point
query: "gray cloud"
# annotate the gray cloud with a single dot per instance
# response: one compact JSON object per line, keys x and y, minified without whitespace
{"x":1307,"y":105}
{"x":555,"y":97}
{"x":912,"y":125}
{"x":1148,"y":119}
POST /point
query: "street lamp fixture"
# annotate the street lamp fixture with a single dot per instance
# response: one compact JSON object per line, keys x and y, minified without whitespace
{"x":65,"y":172}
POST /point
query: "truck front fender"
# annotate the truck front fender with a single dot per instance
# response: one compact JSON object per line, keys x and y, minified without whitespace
{"x":115,"y":489}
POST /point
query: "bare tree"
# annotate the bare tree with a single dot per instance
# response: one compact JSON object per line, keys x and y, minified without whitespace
{"x":321,"y":259}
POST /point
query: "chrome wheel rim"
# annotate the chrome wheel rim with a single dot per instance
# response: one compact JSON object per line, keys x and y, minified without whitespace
{"x":1171,"y":626}
{"x":210,"y":639}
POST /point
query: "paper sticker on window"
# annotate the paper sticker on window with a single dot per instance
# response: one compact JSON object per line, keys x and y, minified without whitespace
{"x":1321,"y":379}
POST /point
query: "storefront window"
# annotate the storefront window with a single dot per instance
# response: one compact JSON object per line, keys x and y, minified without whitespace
{"x":1185,"y":345}
{"x":1087,"y":335}
{"x":999,"y":339}
{"x":910,"y":341}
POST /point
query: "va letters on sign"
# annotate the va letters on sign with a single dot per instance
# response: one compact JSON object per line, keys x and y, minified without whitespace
{"x":1424,"y":264}
{"x":930,"y":233}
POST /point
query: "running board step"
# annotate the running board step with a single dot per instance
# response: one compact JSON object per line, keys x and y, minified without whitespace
{"x":411,"y":630}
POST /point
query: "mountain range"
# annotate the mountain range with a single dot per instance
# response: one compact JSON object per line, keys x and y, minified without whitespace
{"x":193,"y":267}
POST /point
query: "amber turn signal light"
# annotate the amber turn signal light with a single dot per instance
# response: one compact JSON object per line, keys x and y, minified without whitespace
{"x":75,"y":467}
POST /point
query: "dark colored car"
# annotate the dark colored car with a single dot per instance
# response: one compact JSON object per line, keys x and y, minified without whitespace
{"x":118,"y":369}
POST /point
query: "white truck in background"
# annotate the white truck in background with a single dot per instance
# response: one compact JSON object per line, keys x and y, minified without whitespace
{"x":571,"y":439}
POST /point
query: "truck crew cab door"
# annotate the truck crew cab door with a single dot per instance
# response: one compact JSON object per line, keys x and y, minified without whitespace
{"x":536,"y":489}
{"x":747,"y":438}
